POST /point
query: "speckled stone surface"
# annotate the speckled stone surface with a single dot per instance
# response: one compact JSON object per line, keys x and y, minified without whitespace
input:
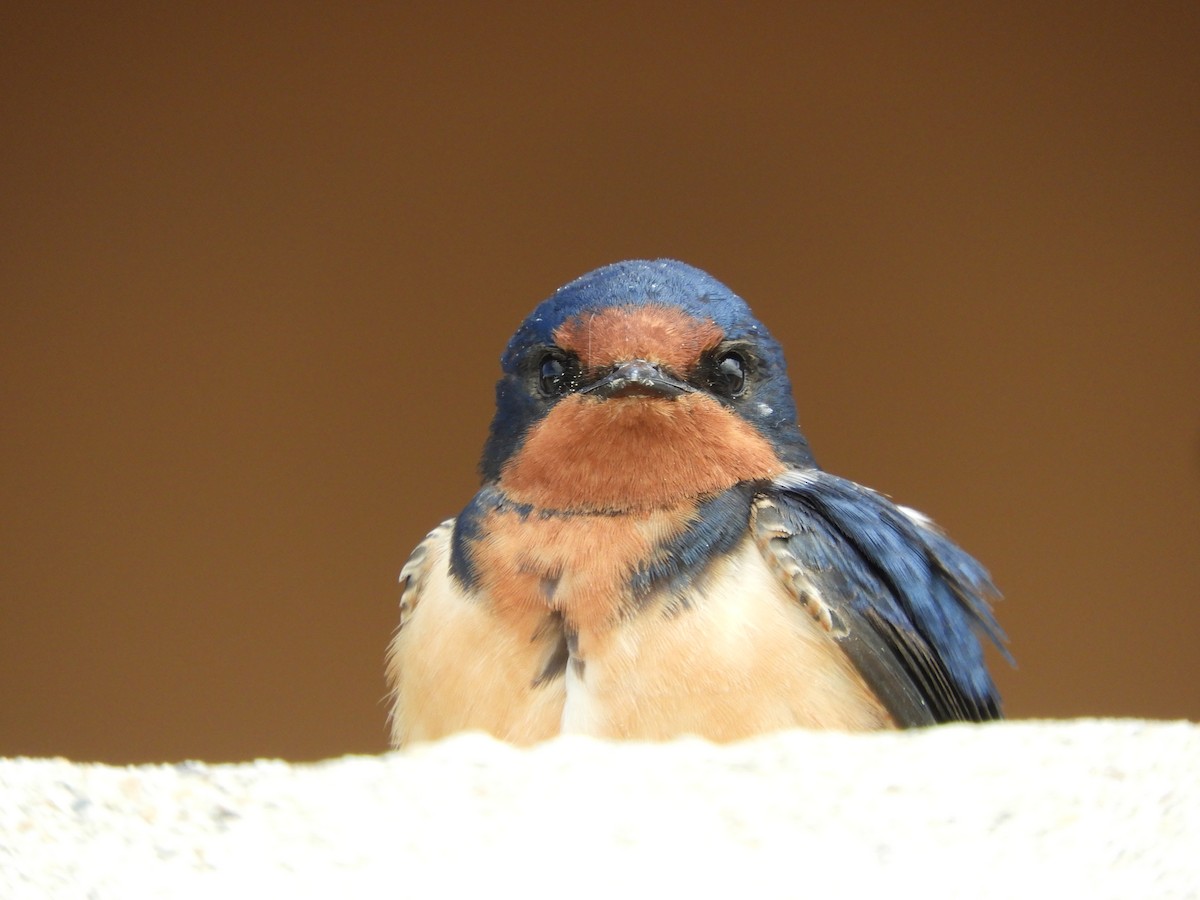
{"x":1068,"y":809}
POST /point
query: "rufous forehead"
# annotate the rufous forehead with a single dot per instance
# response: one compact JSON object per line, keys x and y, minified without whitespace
{"x":660,"y":334}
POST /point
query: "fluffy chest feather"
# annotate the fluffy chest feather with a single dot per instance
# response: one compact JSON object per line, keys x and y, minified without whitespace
{"x":647,"y":627}
{"x":592,"y":569}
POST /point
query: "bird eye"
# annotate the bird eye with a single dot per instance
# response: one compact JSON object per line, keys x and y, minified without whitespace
{"x":552,"y":376}
{"x":729,"y":374}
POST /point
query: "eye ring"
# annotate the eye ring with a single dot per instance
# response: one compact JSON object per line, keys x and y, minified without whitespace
{"x":729,"y":373}
{"x":555,"y":375}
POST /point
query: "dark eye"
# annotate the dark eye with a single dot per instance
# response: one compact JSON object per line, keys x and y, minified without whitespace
{"x":729,"y":374}
{"x":552,"y":376}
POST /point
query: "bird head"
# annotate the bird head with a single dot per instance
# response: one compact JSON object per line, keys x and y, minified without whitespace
{"x":637,"y":384}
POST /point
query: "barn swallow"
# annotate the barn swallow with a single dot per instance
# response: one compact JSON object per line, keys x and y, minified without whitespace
{"x":654,"y":551}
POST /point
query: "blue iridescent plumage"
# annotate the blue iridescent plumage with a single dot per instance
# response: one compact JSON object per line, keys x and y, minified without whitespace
{"x":897,"y":575}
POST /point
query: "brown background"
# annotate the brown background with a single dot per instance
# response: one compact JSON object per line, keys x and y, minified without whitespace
{"x":259,"y":262}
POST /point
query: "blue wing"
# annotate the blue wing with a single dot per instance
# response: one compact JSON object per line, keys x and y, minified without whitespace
{"x":904,"y":602}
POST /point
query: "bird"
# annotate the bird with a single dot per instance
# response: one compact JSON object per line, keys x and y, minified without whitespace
{"x":654,"y":552}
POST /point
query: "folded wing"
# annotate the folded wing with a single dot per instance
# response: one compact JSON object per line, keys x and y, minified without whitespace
{"x":904,"y":602}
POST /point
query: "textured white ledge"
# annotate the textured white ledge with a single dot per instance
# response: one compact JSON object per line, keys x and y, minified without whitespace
{"x":1070,"y":809}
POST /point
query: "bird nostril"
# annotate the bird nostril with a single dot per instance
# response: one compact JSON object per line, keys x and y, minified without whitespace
{"x":639,"y":371}
{"x":637,"y":377}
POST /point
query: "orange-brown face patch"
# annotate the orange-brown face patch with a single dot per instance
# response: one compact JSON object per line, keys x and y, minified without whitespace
{"x":635,"y":453}
{"x":659,"y":334}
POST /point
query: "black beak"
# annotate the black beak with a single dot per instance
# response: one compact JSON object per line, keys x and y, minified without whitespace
{"x":637,"y":378}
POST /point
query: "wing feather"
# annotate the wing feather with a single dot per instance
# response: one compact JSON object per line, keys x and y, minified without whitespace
{"x":903,"y":601}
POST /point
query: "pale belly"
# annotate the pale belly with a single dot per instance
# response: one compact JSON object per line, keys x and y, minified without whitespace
{"x":744,"y":658}
{"x":740,"y":657}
